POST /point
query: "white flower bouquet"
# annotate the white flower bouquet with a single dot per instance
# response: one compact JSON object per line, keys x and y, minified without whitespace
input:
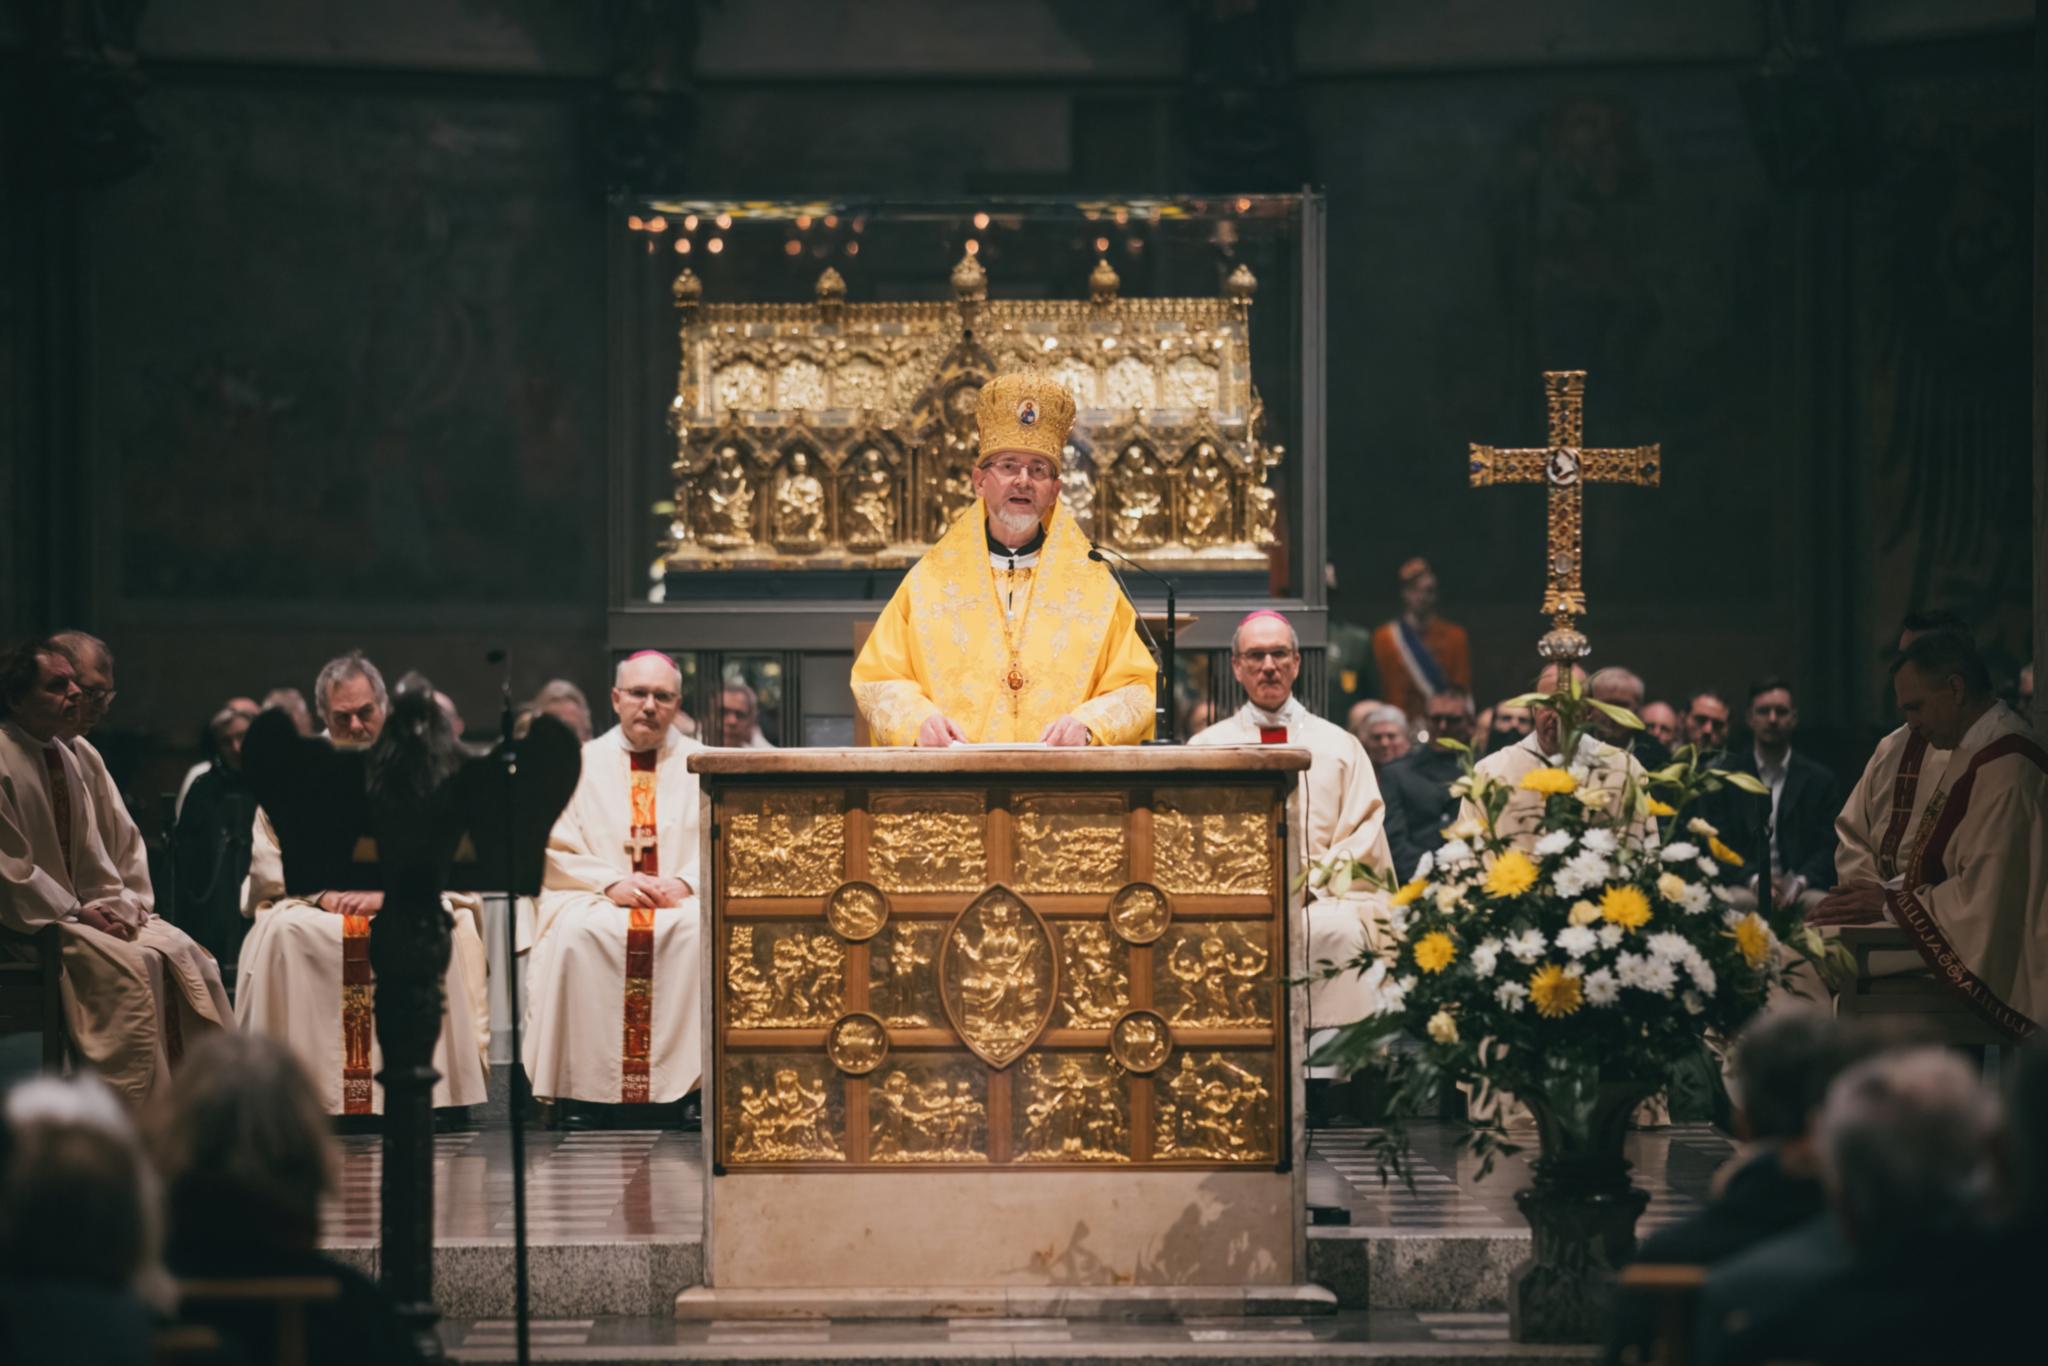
{"x":1586,"y":955}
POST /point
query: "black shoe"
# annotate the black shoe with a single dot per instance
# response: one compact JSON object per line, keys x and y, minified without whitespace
{"x":691,"y":1113}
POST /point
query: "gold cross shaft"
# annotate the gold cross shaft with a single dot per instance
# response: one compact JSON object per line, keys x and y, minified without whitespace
{"x":1567,"y":467}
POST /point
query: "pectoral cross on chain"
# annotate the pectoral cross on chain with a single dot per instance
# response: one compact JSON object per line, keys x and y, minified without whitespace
{"x":1566,"y":466}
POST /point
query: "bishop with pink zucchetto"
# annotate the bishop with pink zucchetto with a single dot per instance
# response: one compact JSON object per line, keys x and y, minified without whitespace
{"x":1335,"y":809}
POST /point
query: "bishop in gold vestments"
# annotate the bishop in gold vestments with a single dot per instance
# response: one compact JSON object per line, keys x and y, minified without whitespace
{"x":1006,"y":631}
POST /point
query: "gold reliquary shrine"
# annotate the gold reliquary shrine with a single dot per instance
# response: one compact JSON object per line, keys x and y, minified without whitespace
{"x":836,"y":435}
{"x":986,"y":969}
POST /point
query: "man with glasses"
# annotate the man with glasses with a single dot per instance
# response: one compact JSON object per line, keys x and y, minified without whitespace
{"x":303,"y":975}
{"x":1335,"y":809}
{"x":135,"y":987}
{"x":1006,"y":631}
{"x":1418,"y":787}
{"x":613,"y":984}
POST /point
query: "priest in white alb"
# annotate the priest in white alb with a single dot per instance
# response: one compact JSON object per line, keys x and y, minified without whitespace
{"x":1006,"y":632}
{"x":1610,"y":773}
{"x":1971,"y":892}
{"x":135,"y":987}
{"x":1335,"y":808}
{"x":613,"y":983}
{"x":1873,"y":832}
{"x":304,"y":970}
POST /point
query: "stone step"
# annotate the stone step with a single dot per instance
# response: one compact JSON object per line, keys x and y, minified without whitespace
{"x":1393,"y":1336}
{"x":637,"y":1274}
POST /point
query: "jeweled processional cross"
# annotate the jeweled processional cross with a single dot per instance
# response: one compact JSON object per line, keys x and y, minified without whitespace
{"x":1566,"y":466}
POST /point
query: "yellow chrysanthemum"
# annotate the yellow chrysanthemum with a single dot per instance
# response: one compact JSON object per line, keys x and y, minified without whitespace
{"x":1434,"y":951}
{"x":1443,"y":1027}
{"x":1661,"y":809}
{"x":1753,"y":937}
{"x":1552,"y":782}
{"x":1723,"y":852}
{"x":1411,"y":892}
{"x":1626,"y":907}
{"x":1511,"y":875}
{"x":1556,"y":992}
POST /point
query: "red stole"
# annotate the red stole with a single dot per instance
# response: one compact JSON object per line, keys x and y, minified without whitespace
{"x":641,"y":844}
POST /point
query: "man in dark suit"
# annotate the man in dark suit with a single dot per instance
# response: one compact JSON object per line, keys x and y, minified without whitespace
{"x":1790,"y":833}
{"x":1783,"y":1065}
{"x":1417,"y":787}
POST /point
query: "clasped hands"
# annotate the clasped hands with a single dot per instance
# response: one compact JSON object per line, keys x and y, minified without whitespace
{"x":647,"y":891}
{"x":350,"y":903}
{"x":1852,"y":903}
{"x":105,"y":921}
{"x":938,"y":732}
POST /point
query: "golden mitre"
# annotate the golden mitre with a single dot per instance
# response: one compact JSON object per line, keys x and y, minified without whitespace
{"x":1026,"y":411}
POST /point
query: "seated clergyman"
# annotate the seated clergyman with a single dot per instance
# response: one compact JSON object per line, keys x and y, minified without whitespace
{"x":1334,"y":810}
{"x":1006,"y":631}
{"x":304,"y":970}
{"x":135,"y":987}
{"x":613,"y":1003}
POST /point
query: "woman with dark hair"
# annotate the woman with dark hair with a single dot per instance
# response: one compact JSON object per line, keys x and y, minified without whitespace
{"x":246,"y":1157}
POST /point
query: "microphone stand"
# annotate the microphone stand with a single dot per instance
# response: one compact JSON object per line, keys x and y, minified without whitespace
{"x":509,"y":756}
{"x":1167,"y":732}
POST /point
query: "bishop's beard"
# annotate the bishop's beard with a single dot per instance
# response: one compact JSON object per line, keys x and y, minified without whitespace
{"x":1016,"y":523}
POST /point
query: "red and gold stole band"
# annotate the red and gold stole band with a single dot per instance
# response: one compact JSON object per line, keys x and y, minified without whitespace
{"x":1905,"y":785}
{"x":639,"y":1021}
{"x":358,"y":1014}
{"x":1913,"y":916}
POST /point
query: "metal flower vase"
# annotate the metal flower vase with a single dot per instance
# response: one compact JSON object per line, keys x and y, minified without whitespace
{"x":1581,"y":1208}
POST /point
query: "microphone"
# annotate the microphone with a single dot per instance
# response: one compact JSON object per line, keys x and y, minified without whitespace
{"x":1168,"y":728}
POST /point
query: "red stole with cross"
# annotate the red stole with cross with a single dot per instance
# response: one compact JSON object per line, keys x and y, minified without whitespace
{"x":641,"y":842}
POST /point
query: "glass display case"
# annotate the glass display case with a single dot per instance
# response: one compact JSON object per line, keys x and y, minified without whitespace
{"x":794,"y":386}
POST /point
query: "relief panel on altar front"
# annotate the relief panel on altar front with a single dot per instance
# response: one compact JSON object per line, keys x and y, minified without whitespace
{"x":783,"y":975}
{"x":1213,"y":841}
{"x":998,"y":975}
{"x":1212,"y":1106}
{"x":928,"y":1110}
{"x":927,"y":842}
{"x":782,"y":1108}
{"x":903,"y":974}
{"x":1068,"y":843}
{"x":1214,"y":974}
{"x":1071,"y":1107}
{"x":784,"y":843}
{"x":1095,"y":976}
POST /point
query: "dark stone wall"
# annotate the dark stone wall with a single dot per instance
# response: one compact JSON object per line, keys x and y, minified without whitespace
{"x":326,"y":365}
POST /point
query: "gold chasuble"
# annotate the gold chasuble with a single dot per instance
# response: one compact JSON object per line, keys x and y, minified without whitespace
{"x":1004,"y":660}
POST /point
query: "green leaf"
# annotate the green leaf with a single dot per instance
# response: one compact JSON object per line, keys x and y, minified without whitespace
{"x":1621,"y":716}
{"x":1741,"y":781}
{"x":1530,"y":699}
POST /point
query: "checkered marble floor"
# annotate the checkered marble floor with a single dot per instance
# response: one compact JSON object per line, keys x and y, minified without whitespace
{"x":1675,"y":1165}
{"x":580,"y":1186}
{"x":1382,"y":1335}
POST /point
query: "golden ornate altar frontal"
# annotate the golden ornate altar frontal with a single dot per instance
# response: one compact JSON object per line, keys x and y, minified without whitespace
{"x":1050,"y":981}
{"x":840,"y":435}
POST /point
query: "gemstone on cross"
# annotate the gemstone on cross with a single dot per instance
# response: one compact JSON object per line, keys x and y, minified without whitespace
{"x":1567,"y":467}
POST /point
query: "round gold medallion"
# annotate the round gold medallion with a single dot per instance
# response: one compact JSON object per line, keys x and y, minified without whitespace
{"x":1139,"y":913}
{"x":1140,"y":1041}
{"x":858,"y":910}
{"x":857,"y":1043}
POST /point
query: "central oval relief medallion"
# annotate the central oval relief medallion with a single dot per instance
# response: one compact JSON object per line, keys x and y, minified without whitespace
{"x":998,"y":976}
